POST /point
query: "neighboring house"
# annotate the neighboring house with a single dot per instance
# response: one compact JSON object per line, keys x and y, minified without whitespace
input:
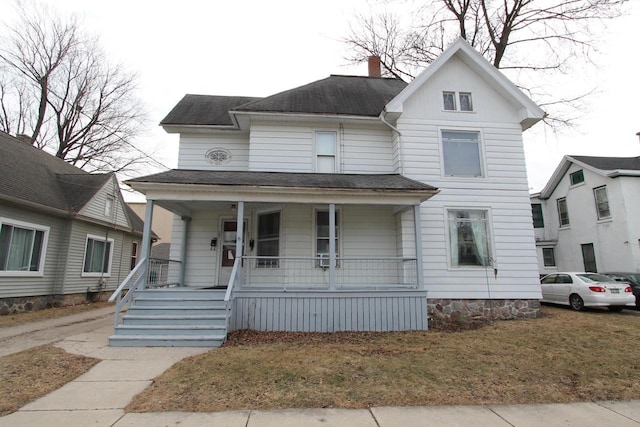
{"x":586,"y":217}
{"x":65,"y":234}
{"x":162,"y":221}
{"x":357,"y":203}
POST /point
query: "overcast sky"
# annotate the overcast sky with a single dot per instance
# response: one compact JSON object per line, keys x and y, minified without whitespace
{"x":258,"y":48}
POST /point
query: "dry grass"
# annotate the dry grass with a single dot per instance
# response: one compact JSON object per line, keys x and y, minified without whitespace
{"x":562,"y":357}
{"x":31,"y":374}
{"x":14,"y":319}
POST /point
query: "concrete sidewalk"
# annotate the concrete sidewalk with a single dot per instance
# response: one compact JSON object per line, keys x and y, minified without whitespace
{"x":98,"y":398}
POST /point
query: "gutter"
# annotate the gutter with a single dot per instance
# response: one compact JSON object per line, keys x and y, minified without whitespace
{"x":400,"y":153}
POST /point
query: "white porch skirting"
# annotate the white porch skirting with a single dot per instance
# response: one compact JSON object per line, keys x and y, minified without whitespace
{"x":313,"y":311}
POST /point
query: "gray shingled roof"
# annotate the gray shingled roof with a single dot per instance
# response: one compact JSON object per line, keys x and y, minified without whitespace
{"x":339,"y":95}
{"x":610,"y":163}
{"x":32,"y":176}
{"x":204,"y":110}
{"x":390,"y":182}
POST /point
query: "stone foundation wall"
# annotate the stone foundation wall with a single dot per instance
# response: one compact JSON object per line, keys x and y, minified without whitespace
{"x":18,"y":305}
{"x":479,"y":309}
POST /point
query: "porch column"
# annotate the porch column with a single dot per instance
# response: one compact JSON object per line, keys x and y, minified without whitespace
{"x":417,"y":222}
{"x":183,"y":248}
{"x":146,"y":233}
{"x":239,"y":233}
{"x":332,"y":246}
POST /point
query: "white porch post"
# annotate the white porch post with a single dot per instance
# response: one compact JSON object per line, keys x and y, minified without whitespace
{"x":417,"y":223}
{"x":183,"y":248}
{"x":332,"y":246}
{"x":240,"y":233}
{"x":146,"y":233}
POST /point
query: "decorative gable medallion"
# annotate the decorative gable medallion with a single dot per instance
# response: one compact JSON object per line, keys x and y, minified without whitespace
{"x":218,"y":156}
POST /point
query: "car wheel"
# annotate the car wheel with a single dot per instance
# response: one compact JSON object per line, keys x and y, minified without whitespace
{"x":575,"y":302}
{"x":615,"y":308}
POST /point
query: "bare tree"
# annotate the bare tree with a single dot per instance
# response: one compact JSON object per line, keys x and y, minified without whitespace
{"x":529,"y":39}
{"x":57,"y":87}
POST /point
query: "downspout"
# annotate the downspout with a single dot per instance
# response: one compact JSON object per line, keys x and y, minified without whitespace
{"x":400,"y":154}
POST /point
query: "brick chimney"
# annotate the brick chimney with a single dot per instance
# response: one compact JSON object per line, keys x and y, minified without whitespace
{"x":374,"y":66}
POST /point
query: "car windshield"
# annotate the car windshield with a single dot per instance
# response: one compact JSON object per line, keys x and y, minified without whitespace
{"x":591,"y":277}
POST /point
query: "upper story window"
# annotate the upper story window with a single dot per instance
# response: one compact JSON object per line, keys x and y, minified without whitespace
{"x":268,"y":239}
{"x":108,"y":206}
{"x":461,"y":153}
{"x":468,"y":238}
{"x":577,"y":177}
{"x":563,"y":212}
{"x":326,"y":143}
{"x":22,"y":247}
{"x":536,"y":211}
{"x":457,"y":101}
{"x":602,"y":202}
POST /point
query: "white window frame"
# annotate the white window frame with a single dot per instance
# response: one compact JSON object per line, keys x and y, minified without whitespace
{"x":595,"y":197}
{"x":43,"y":249}
{"x":481,"y":156}
{"x":84,"y":258}
{"x":544,"y":260}
{"x":338,"y":234}
{"x":257,"y":238}
{"x":457,"y":101}
{"x":489,"y":231}
{"x":560,"y":213}
{"x":336,"y":151}
{"x":109,"y":206}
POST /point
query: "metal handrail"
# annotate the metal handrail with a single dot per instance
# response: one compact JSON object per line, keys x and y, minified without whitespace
{"x":117,"y":294}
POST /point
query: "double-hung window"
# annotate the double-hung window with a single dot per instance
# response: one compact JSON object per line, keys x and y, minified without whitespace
{"x":268,"y":240}
{"x":97,"y":256}
{"x":468,"y":238}
{"x":549,"y":257}
{"x":326,"y":143}
{"x":563,"y":212}
{"x":323,"y":237}
{"x":602,"y":202}
{"x":22,"y":247}
{"x":461,"y":153}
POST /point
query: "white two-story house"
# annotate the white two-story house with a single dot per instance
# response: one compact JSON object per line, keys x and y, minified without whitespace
{"x":587,"y":216}
{"x":355,"y":203}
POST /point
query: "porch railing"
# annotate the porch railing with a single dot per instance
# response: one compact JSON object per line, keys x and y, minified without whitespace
{"x":134,"y":280}
{"x":313,"y":272}
{"x":163,"y":272}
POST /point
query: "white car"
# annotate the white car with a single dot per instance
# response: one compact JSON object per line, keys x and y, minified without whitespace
{"x":579,"y":290}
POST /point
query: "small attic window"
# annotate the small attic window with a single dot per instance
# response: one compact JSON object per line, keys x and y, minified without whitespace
{"x":457,"y":101}
{"x":577,"y":177}
{"x":449,"y":100}
{"x":108,"y":206}
{"x":465,"y":101}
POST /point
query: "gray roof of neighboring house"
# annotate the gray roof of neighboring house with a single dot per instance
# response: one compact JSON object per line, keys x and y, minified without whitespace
{"x":335,"y":95}
{"x":389,"y":182}
{"x":610,"y":163}
{"x":32,"y":176}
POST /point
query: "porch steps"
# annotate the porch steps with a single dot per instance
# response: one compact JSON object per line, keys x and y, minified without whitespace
{"x":174,"y":317}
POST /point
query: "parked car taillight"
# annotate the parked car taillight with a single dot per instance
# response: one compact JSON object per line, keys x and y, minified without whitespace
{"x":628,"y":289}
{"x":597,"y":289}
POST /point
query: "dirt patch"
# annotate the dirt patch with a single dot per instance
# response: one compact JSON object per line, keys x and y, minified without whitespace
{"x":14,"y":319}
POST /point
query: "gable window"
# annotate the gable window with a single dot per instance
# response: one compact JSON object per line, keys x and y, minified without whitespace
{"x":326,"y":152}
{"x":536,"y":212}
{"x":577,"y":177}
{"x":108,"y":206}
{"x":563,"y":212}
{"x":602,"y":202}
{"x":268,"y":239}
{"x":461,"y":102}
{"x":323,"y":237}
{"x":97,"y":256}
{"x":549,"y":257}
{"x":134,"y":254}
{"x":468,"y":238}
{"x":22,"y":247}
{"x":461,"y":153}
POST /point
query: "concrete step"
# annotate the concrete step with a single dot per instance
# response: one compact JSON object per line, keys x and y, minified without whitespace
{"x":182,"y":330}
{"x":162,"y":319}
{"x":189,"y":301}
{"x":208,"y":340}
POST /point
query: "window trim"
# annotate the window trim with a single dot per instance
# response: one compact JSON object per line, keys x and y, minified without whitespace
{"x":339,"y":248}
{"x":336,"y":148}
{"x":560,"y":224}
{"x":553,"y":256}
{"x":257,"y":240}
{"x":595,"y":198}
{"x":43,"y":249}
{"x":84,"y":257}
{"x":490,"y":237}
{"x":481,"y":154}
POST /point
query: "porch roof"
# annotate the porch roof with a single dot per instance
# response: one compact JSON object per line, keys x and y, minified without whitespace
{"x":179,"y":183}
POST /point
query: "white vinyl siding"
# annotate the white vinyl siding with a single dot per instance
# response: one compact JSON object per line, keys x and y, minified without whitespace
{"x":193,"y":150}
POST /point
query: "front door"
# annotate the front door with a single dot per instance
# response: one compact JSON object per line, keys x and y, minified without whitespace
{"x":589,"y":258}
{"x":228,"y":247}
